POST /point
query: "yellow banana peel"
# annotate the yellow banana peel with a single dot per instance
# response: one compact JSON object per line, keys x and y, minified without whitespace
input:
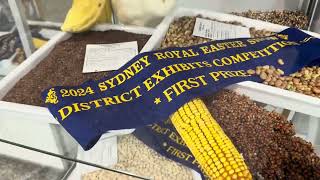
{"x":84,"y":14}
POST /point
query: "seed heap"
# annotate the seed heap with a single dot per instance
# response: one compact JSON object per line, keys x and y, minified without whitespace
{"x":214,"y":151}
{"x":137,"y":158}
{"x":287,"y":18}
{"x":180,"y":32}
{"x":259,"y":33}
{"x":265,"y":139}
{"x":64,"y":65}
{"x":306,"y":81}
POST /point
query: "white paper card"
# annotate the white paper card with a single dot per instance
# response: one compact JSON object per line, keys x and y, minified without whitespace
{"x":110,"y":153}
{"x":104,"y":153}
{"x":218,"y":31}
{"x":108,"y":57}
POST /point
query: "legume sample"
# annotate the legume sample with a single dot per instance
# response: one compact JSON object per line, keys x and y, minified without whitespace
{"x":137,"y":158}
{"x":295,"y":19}
{"x":265,"y":139}
{"x":180,"y":32}
{"x":63,"y":66}
{"x":306,"y":81}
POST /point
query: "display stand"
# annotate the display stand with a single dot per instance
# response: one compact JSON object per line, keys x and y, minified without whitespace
{"x":22,"y":26}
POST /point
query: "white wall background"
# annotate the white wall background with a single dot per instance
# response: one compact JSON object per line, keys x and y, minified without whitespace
{"x":240,"y":5}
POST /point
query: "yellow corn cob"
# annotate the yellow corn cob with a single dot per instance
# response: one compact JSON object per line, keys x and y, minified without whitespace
{"x":214,"y":151}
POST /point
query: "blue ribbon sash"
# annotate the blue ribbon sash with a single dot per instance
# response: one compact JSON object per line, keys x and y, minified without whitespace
{"x":155,"y":84}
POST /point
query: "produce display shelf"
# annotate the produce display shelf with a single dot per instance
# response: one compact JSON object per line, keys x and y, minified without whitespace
{"x":11,"y":110}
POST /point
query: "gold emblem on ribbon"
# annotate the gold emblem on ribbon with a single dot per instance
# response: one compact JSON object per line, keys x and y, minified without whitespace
{"x":52,"y":97}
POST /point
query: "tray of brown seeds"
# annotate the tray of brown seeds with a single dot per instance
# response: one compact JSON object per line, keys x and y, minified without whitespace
{"x":59,"y":62}
{"x":267,"y":140}
{"x":298,"y":92}
{"x":288,"y":18}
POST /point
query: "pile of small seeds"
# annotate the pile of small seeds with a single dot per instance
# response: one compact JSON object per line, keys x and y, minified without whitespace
{"x":259,"y":33}
{"x":137,"y":158}
{"x":295,"y":19}
{"x":265,"y":139}
{"x":305,"y":81}
{"x":64,"y":65}
{"x":180,"y":32}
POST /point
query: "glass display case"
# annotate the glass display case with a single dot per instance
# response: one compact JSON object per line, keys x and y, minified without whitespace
{"x":33,"y":142}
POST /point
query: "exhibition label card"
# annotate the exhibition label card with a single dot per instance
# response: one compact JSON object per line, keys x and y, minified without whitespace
{"x":218,"y":31}
{"x":108,"y":57}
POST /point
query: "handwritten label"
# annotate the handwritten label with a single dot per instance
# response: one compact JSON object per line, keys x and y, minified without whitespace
{"x":108,"y":57}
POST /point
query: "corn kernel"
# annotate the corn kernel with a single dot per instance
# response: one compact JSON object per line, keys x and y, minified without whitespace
{"x":234,"y":176}
{"x":231,"y":171}
{"x":225,"y":174}
{"x":223,"y":159}
{"x":220,"y":166}
{"x":221,"y":170}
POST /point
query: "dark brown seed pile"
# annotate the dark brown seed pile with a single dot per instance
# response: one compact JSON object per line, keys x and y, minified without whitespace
{"x":63,"y":66}
{"x":295,"y":19}
{"x":265,"y":139}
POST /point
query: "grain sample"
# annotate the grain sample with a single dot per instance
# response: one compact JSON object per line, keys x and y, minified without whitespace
{"x":137,"y":158}
{"x":265,"y":139}
{"x":295,"y":19}
{"x":63,"y":66}
{"x":305,"y":81}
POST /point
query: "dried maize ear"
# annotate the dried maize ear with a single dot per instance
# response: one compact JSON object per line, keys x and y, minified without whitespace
{"x":214,"y":151}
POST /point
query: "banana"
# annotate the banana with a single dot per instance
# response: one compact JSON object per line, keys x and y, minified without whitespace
{"x":84,"y":14}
